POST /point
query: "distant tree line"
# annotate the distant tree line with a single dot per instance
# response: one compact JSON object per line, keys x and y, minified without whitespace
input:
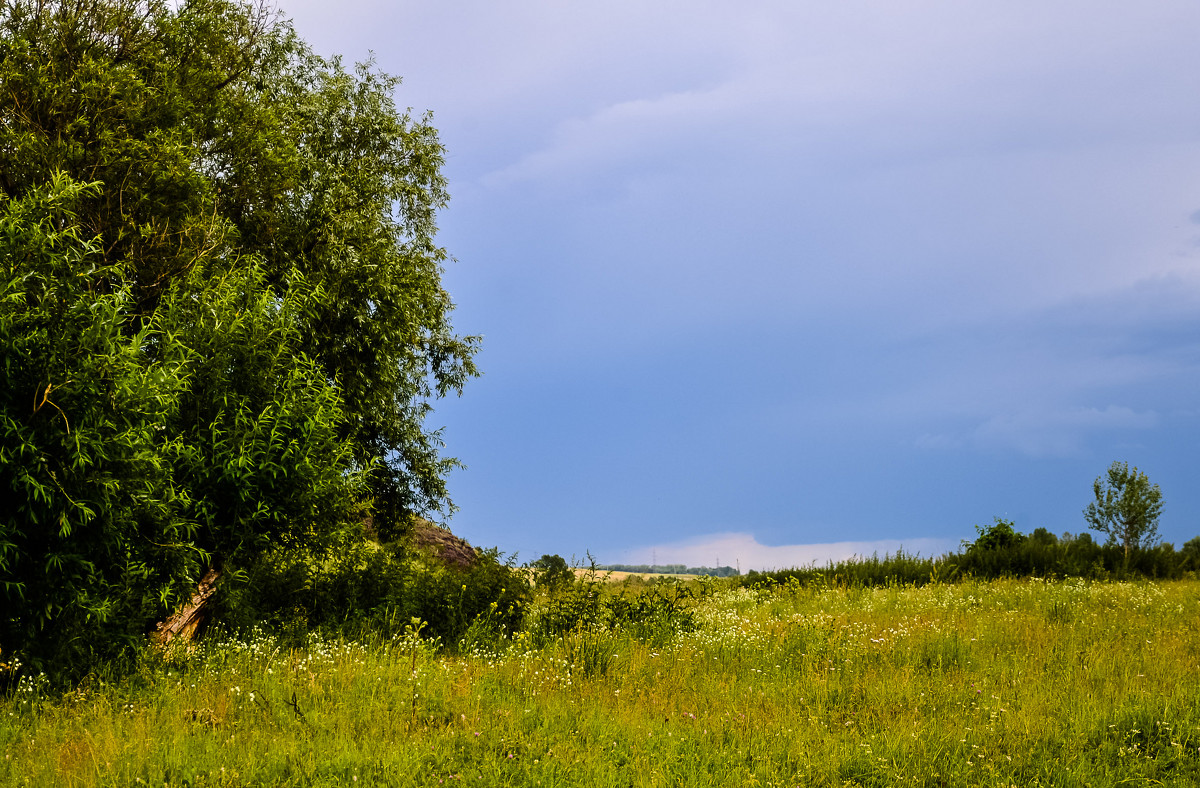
{"x":671,"y":569}
{"x":1002,"y":551}
{"x":1126,"y":509}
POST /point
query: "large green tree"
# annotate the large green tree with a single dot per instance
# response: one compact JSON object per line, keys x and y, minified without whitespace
{"x":221,"y":314}
{"x":1127,"y":507}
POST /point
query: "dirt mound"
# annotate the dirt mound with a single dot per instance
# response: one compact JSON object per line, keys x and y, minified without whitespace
{"x":443,"y":545}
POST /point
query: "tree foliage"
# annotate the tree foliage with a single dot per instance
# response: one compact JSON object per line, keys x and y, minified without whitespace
{"x":1127,"y":507}
{"x":1000,"y":535}
{"x":551,"y":571}
{"x":221,"y":316}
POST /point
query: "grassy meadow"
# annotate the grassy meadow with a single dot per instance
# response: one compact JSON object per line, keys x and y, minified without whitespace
{"x":1003,"y":683}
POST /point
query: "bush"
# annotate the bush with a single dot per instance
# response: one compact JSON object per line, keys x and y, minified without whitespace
{"x":365,"y":589}
{"x":1000,"y":535}
{"x":654,"y":613}
{"x":551,"y":572}
{"x":1189,"y":554}
{"x":492,"y":595}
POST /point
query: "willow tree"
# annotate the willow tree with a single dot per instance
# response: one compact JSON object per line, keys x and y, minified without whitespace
{"x":221,"y":314}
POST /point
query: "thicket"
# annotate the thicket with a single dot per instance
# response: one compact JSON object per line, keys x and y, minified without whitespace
{"x":221,"y":313}
{"x":368,"y":590}
{"x":653,"y":612}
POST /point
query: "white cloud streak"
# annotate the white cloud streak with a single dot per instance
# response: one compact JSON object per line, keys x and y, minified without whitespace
{"x":743,"y":550}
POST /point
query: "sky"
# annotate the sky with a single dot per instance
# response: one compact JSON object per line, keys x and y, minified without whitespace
{"x":769,"y":283}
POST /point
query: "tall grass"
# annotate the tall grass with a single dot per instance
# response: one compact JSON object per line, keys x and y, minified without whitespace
{"x":976,"y":683}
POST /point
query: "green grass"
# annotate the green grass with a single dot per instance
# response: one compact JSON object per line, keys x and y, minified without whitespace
{"x":1007,"y":683}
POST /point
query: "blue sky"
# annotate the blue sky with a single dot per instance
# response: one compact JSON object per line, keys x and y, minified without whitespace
{"x":776,"y":282}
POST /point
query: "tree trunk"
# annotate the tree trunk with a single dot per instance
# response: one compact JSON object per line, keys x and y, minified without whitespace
{"x":184,"y":622}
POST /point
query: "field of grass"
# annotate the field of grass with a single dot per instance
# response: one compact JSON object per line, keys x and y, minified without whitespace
{"x":1006,"y":683}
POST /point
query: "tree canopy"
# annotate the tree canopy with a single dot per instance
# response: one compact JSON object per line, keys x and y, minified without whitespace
{"x":1127,"y":507}
{"x":1000,"y":535}
{"x":221,"y":312}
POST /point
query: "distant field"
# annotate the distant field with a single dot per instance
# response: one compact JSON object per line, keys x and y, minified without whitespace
{"x":616,"y":577}
{"x":1009,"y":683}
